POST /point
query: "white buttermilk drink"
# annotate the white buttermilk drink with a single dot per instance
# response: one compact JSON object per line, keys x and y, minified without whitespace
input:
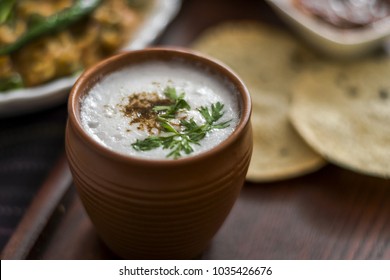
{"x":160,"y":110}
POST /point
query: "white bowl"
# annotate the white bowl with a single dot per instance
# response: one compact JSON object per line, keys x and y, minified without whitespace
{"x":346,"y":43}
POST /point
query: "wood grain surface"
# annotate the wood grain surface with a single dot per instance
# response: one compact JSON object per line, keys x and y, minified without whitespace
{"x":331,"y":214}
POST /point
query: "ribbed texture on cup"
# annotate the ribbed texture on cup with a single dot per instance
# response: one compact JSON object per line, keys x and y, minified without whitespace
{"x":154,"y":223}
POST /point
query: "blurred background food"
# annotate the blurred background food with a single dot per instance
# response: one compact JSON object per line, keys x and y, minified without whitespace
{"x":342,"y":110}
{"x":268,"y":59}
{"x":333,"y":213}
{"x":346,"y":13}
{"x":345,"y":29}
{"x":41,"y":40}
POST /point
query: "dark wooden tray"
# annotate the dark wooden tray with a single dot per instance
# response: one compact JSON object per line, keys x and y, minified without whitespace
{"x":330,"y":214}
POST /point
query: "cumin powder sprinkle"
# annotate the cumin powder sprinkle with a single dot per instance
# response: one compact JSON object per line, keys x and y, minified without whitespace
{"x":140,"y":110}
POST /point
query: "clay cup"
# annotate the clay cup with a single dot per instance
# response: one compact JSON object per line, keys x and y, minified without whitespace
{"x":157,"y":209}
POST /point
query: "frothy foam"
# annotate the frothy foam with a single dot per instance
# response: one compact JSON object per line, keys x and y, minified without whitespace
{"x":102,"y":113}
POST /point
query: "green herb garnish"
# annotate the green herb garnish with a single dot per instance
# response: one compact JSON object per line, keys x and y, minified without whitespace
{"x":188,"y":133}
{"x":169,"y":111}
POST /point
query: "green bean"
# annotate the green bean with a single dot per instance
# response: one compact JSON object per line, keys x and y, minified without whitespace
{"x":6,"y":7}
{"x":52,"y":23}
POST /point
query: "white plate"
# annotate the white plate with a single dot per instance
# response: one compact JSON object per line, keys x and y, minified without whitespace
{"x":337,"y":42}
{"x":21,"y":101}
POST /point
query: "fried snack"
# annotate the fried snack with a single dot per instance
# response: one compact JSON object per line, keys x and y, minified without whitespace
{"x":267,"y":60}
{"x":117,"y":22}
{"x":343,"y":112}
{"x":48,"y":57}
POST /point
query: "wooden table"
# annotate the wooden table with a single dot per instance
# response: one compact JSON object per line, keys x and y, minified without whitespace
{"x":330,"y":214}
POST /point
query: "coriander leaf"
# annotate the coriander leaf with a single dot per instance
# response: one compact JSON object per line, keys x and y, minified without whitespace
{"x":204,"y":111}
{"x":182,"y":143}
{"x":170,"y":92}
{"x":162,"y":108}
{"x":190,"y":134}
{"x":167,"y":126}
{"x":216,"y":111}
{"x":147,"y":144}
{"x":170,"y":111}
{"x":215,"y":115}
{"x":182,"y":104}
{"x":221,"y":125}
{"x":189,"y":125}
